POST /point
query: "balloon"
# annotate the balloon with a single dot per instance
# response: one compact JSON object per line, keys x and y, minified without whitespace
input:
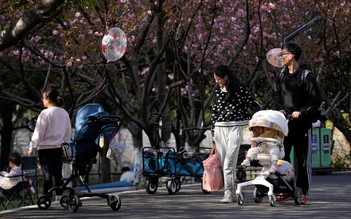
{"x":114,"y":44}
{"x":273,"y":57}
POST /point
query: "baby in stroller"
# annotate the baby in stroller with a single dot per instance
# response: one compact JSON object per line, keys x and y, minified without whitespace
{"x":276,"y":178}
{"x":263,"y":128}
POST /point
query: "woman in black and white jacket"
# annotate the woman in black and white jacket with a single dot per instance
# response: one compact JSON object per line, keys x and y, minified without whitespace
{"x":230,"y":112}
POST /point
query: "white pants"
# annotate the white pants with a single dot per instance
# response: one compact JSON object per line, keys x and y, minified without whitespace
{"x":228,"y":138}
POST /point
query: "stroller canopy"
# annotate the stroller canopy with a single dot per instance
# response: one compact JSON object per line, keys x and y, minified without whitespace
{"x":270,"y":119}
{"x":92,"y":121}
{"x":82,"y":128}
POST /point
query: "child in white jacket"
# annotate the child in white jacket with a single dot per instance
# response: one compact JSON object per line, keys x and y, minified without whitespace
{"x":10,"y":179}
{"x":268,"y":128}
{"x":268,"y":141}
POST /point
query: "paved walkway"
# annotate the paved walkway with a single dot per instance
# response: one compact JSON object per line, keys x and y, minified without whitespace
{"x":330,"y":197}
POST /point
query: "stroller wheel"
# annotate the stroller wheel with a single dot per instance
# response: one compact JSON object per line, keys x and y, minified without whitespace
{"x":272,"y":200}
{"x":258,"y":195}
{"x":298,"y":194}
{"x":151,"y":186}
{"x":115,"y":202}
{"x":44,"y":202}
{"x":178,"y":184}
{"x":171,"y":187}
{"x":63,"y":201}
{"x":73,"y":203}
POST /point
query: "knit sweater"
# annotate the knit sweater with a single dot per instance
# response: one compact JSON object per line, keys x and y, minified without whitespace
{"x":53,"y":128}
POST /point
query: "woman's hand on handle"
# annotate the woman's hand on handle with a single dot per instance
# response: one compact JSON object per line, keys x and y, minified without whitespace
{"x":30,"y":152}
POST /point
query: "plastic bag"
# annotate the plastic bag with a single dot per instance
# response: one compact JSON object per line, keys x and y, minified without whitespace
{"x":212,"y":179}
{"x":116,"y":149}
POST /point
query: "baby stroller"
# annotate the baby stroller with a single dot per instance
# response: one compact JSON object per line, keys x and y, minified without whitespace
{"x":93,"y":128}
{"x":280,"y":184}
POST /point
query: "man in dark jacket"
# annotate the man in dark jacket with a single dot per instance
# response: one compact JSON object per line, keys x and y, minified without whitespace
{"x":296,"y":94}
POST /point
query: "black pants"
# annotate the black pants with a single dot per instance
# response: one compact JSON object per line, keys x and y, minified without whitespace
{"x":51,"y":166}
{"x":299,"y":140}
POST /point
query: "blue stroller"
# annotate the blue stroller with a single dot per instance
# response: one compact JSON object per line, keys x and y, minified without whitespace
{"x":172,"y":165}
{"x":93,"y":128}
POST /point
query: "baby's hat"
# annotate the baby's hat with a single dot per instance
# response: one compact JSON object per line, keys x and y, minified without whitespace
{"x":270,"y":119}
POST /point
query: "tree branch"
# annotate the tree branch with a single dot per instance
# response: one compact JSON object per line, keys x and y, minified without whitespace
{"x":38,"y":13}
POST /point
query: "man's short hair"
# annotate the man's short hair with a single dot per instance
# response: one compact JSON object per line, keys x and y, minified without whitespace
{"x":294,"y":49}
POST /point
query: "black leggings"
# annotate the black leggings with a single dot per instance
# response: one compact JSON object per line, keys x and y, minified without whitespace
{"x":51,"y":166}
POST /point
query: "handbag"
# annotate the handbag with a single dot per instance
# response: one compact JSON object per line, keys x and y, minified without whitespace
{"x":212,"y":179}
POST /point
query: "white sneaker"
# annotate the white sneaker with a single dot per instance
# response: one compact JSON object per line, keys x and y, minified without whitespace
{"x":228,"y":197}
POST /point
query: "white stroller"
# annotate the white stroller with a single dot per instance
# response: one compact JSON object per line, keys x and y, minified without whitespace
{"x":281,"y":184}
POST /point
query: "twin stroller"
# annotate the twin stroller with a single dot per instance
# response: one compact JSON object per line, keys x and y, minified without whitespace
{"x":279,"y":184}
{"x":93,"y":128}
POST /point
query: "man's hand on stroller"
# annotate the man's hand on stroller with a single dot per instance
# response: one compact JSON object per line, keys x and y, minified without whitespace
{"x":295,"y":115}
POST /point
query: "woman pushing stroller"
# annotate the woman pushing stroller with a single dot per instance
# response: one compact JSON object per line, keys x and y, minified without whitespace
{"x":53,"y":127}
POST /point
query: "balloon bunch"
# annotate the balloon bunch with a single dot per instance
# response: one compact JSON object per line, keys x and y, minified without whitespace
{"x":114,"y":44}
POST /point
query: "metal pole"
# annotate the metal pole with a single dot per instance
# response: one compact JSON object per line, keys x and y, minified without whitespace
{"x":298,"y":30}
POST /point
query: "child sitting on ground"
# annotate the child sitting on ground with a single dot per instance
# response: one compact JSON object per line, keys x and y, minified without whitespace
{"x":10,"y":179}
{"x":274,"y":148}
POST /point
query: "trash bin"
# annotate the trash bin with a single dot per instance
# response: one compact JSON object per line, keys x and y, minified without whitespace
{"x":320,"y":150}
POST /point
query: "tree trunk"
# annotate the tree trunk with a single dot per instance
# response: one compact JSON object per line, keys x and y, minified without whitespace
{"x":6,"y":137}
{"x":38,"y":14}
{"x":138,"y":159}
{"x":340,"y":123}
{"x":161,"y":83}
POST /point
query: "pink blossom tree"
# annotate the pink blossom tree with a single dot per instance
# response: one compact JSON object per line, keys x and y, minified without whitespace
{"x":173,"y":47}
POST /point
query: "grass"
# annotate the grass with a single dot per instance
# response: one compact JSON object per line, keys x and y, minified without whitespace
{"x":17,"y":202}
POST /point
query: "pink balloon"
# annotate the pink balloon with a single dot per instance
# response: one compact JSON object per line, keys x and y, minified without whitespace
{"x":114,"y":44}
{"x":273,"y":57}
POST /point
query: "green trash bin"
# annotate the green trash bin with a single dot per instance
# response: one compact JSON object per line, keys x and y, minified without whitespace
{"x":315,"y":148}
{"x":320,"y":150}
